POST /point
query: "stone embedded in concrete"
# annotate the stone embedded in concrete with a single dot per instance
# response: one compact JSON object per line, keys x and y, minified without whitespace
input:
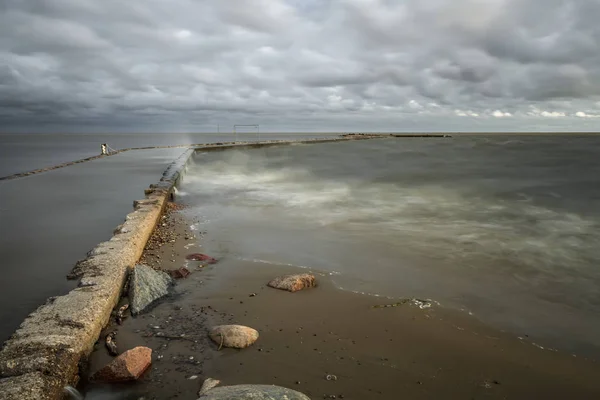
{"x":143,"y":203}
{"x":147,"y":286}
{"x":253,"y":392}
{"x":50,"y":359}
{"x":129,"y":366}
{"x":236,"y":336}
{"x":293,"y":283}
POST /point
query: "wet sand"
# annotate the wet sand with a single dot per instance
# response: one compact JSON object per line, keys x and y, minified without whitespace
{"x":375,"y":353}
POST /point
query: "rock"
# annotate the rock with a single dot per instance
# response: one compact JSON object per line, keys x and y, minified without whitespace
{"x":293,"y":283}
{"x":201,"y":257}
{"x":121,"y":313}
{"x":236,"y":336}
{"x":253,"y":392}
{"x":180,"y":273}
{"x":111,"y":344}
{"x":209,"y":383}
{"x":129,"y":366}
{"x":147,"y":286}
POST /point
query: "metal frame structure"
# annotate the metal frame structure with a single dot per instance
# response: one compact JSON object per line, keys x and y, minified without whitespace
{"x":246,"y":126}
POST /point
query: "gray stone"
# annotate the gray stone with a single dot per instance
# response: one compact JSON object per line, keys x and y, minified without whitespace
{"x":253,"y":392}
{"x":236,"y":336}
{"x":209,"y":383}
{"x":147,"y":286}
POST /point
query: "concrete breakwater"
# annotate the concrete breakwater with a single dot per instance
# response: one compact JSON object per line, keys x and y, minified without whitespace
{"x":46,"y":353}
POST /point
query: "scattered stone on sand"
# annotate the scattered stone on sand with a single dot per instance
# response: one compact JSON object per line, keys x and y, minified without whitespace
{"x":253,"y":392}
{"x":111,"y":344}
{"x":201,"y":257}
{"x":236,"y":336}
{"x":147,"y":286}
{"x":180,"y":273}
{"x":293,"y":283}
{"x":121,"y":314}
{"x":209,"y":383}
{"x":129,"y":366}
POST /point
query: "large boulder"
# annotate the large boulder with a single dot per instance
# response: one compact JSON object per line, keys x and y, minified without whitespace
{"x":129,"y":366}
{"x":236,"y":336}
{"x":253,"y":392}
{"x":293,"y":283}
{"x":147,"y":286}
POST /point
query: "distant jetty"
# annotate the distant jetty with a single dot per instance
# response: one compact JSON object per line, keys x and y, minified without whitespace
{"x":262,"y":143}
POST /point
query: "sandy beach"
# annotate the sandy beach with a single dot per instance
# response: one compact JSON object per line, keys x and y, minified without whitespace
{"x":368,"y":351}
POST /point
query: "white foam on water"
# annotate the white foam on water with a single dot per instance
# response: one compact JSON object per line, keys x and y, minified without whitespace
{"x":73,"y":393}
{"x":428,"y":218}
{"x":258,"y":261}
{"x":179,"y":192}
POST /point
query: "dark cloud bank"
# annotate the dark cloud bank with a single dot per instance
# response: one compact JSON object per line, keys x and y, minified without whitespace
{"x":303,"y":65}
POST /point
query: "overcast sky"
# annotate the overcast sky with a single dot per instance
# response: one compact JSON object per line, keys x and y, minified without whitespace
{"x":299,"y":65}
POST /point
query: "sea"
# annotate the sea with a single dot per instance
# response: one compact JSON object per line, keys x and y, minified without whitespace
{"x":50,"y":220}
{"x":506,"y":228}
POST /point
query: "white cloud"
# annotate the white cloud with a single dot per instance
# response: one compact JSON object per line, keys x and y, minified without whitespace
{"x":415,"y":105}
{"x":553,"y":114}
{"x":536,"y":112}
{"x":468,"y":113}
{"x":183,"y":34}
{"x":582,"y":114}
{"x":500,"y":114}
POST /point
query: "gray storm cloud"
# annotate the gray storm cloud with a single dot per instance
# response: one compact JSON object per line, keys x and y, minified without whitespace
{"x":184,"y":65}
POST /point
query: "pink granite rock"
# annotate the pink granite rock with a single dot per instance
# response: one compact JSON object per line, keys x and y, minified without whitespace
{"x":129,"y":366}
